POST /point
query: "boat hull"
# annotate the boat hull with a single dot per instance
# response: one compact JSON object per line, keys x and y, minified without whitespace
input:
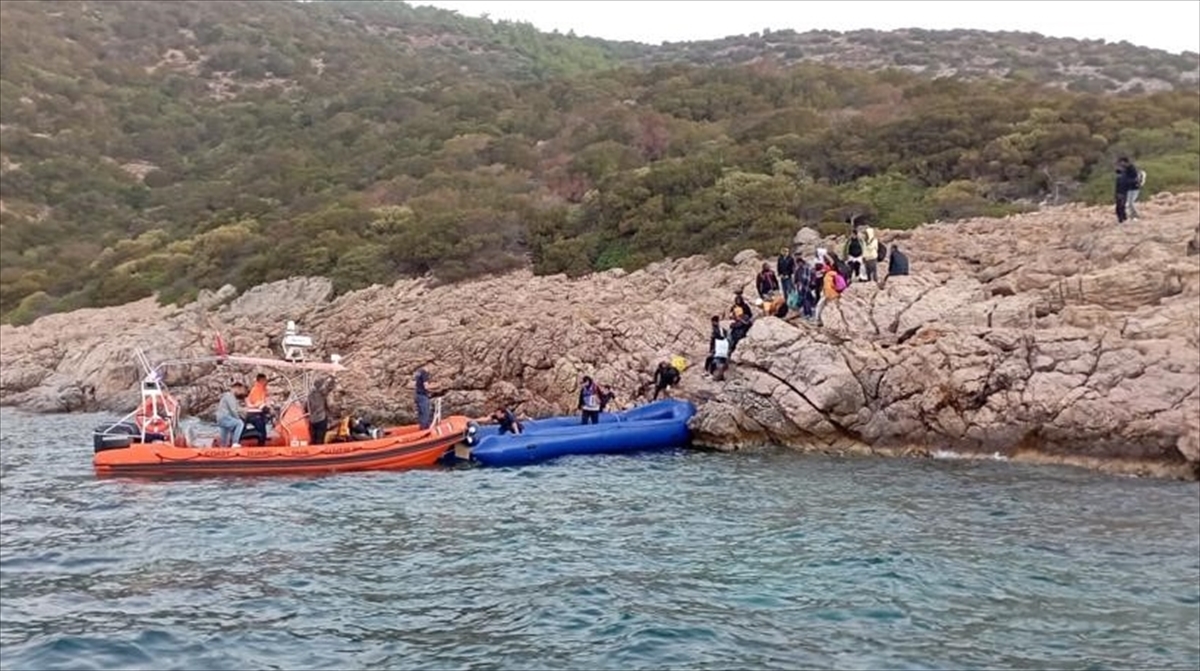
{"x":658,"y":425}
{"x":398,"y":449}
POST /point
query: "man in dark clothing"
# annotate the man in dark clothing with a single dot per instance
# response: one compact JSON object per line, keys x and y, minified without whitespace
{"x":785,"y":268}
{"x":507,"y":421}
{"x":715,"y":358}
{"x":424,"y":410}
{"x":665,"y":377}
{"x":740,"y":307}
{"x":1126,"y":181}
{"x":898,"y":265}
{"x":766,"y":283}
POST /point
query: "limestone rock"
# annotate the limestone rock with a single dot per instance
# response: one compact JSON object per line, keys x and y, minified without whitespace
{"x":1052,"y":336}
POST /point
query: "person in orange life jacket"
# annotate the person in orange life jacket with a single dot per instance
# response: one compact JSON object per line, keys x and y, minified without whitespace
{"x":743,"y":319}
{"x":830,"y":279}
{"x":766,"y":283}
{"x":590,"y":401}
{"x":257,"y":410}
{"x":740,"y":306}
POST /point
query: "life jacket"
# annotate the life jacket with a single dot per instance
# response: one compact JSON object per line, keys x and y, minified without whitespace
{"x":591,"y":397}
{"x":257,"y":397}
{"x":160,"y":421}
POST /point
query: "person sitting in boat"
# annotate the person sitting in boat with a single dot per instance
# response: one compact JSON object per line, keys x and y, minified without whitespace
{"x":666,"y":376}
{"x":257,"y":410}
{"x":505,"y":419}
{"x":229,"y":415}
{"x":319,"y":410}
{"x":590,"y":400}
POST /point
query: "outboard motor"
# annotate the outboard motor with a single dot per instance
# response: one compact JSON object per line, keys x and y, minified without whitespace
{"x":114,"y":436}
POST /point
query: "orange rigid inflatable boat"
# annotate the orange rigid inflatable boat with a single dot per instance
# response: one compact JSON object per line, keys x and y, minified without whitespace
{"x":151,"y":442}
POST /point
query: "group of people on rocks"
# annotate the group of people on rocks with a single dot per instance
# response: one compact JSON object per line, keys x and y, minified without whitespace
{"x":799,"y":283}
{"x":805,"y":285}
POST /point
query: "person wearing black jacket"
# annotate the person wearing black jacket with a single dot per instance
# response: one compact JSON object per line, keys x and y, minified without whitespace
{"x":1126,"y":181}
{"x":785,"y":267}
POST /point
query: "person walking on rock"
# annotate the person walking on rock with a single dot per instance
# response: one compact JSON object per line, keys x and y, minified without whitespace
{"x":870,"y":253}
{"x":1126,"y":183}
{"x":785,"y":268}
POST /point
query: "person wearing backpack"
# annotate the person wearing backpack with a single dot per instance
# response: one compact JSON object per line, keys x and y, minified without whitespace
{"x":832,"y":286}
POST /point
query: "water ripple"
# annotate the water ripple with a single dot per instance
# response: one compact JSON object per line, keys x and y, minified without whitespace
{"x":678,"y":560}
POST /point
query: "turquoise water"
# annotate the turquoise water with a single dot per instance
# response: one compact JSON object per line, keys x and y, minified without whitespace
{"x":676,"y":560}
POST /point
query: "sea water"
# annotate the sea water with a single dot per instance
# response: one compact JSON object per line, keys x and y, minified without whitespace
{"x":669,"y":560}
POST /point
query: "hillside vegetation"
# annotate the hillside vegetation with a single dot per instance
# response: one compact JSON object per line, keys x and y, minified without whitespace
{"x":171,"y":147}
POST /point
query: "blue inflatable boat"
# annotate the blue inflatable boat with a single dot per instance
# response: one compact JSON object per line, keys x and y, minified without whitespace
{"x":657,"y":425}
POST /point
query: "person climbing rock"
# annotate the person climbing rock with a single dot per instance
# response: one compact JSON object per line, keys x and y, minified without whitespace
{"x":666,"y":376}
{"x":717,"y":339}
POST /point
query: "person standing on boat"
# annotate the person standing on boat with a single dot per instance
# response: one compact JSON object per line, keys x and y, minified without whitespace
{"x":590,"y":400}
{"x":229,"y":415}
{"x":318,"y":410}
{"x":257,"y":411}
{"x":422,"y":394}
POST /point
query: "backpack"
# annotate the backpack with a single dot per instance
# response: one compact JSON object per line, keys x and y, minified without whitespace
{"x":1141,"y":178}
{"x":842,"y":268}
{"x":883,"y":250}
{"x":839,"y":282}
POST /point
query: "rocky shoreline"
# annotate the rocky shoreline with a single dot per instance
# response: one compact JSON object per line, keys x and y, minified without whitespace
{"x":1051,"y":337}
